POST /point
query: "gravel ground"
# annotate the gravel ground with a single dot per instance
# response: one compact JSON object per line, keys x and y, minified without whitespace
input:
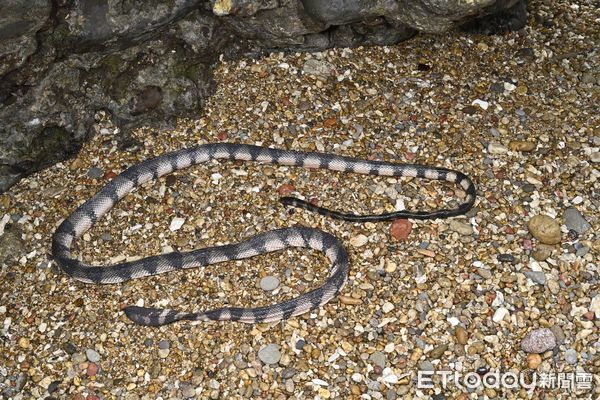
{"x":496,"y":289}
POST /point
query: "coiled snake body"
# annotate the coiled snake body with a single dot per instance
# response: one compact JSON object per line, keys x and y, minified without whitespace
{"x":86,"y":215}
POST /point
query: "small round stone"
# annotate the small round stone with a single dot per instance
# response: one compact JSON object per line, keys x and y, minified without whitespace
{"x":269,"y":354}
{"x":359,"y":240}
{"x":269,"y":283}
{"x":463,"y":228}
{"x":400,"y":229}
{"x":461,"y":335}
{"x":534,"y":361}
{"x":378,"y":358}
{"x":95,"y":173}
{"x":438,"y":351}
{"x":538,"y":277}
{"x":538,"y":341}
{"x":545,"y":229}
{"x":163,"y":353}
{"x":92,"y":355}
{"x":571,"y":356}
{"x":164,"y":344}
{"x":497,"y":148}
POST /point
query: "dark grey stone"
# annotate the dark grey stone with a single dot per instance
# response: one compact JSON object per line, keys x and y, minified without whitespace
{"x":575,"y":220}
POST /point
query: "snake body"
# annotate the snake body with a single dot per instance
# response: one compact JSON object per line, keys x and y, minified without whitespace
{"x":90,"y":211}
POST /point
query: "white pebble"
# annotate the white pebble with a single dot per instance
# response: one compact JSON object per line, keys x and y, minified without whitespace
{"x":387,"y":307}
{"x":595,"y":306}
{"x":500,"y":314}
{"x":358,"y":241}
{"x":389,"y":376}
{"x":176,"y":223}
{"x":269,"y":283}
{"x":483,"y":104}
{"x":497,"y":148}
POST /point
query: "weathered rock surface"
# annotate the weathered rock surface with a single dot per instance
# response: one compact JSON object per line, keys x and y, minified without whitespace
{"x":149,"y":62}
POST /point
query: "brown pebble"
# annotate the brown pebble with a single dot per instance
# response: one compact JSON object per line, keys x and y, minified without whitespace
{"x":461,"y":335}
{"x":285,"y":189}
{"x":534,"y":361}
{"x":545,"y":229}
{"x":355,"y":389}
{"x":400,"y":229}
{"x":476,"y":348}
{"x":92,"y":369}
{"x":222,"y":135}
{"x":521,"y":145}
{"x":330,"y":122}
{"x":426,"y":253}
{"x":350,"y":300}
{"x":170,"y":180}
{"x":109,"y":175}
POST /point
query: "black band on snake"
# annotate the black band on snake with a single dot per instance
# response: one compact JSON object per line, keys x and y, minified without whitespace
{"x":94,"y":208}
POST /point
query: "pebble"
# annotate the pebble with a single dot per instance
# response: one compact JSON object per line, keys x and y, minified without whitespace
{"x":508,"y":258}
{"x":462,"y":228}
{"x":521,"y":145}
{"x":24,"y":343}
{"x":485,"y":273}
{"x":481,"y":103}
{"x":575,"y":220}
{"x":170,"y":180}
{"x":163,"y":353}
{"x":545,"y":229}
{"x":359,"y":240}
{"x":350,"y":300}
{"x":595,"y":157}
{"x":164,"y":344}
{"x":285,"y":189}
{"x":538,"y":277}
{"x":497,"y":148}
{"x":533,"y":361}
{"x":500,"y":314}
{"x":538,"y":341}
{"x":378,"y":358}
{"x":426,"y":365}
{"x":95,"y":173}
{"x":438,"y":351}
{"x":92,"y":369}
{"x":461,"y":335}
{"x":188,"y":392}
{"x":176,"y":223}
{"x":559,"y":335}
{"x":595,"y":306}
{"x":387,"y":307}
{"x":92,"y":355}
{"x":269,"y":354}
{"x":400,"y":229}
{"x":541,"y":253}
{"x":318,"y":68}
{"x":571,"y":356}
{"x":269,"y":283}
{"x":106,"y":237}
